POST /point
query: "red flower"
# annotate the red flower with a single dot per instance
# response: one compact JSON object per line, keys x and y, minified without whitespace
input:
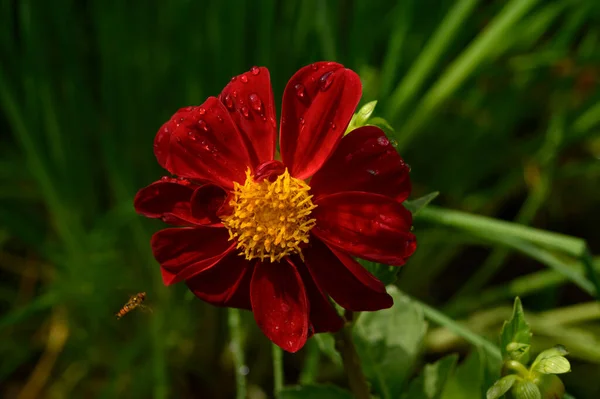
{"x":252,"y":232}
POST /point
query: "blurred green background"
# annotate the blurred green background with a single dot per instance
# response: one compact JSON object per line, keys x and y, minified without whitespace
{"x":495,"y":104}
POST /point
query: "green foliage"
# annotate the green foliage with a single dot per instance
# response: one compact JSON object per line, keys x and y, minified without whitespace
{"x":468,"y":381}
{"x":502,"y":386}
{"x":414,"y":206}
{"x":494,"y":104}
{"x":432,"y":381}
{"x":314,"y":391}
{"x":515,"y":337}
{"x":388,"y":343}
{"x":552,"y":361}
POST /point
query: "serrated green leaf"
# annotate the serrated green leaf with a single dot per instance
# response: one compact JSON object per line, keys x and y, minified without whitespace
{"x":326,"y":344}
{"x":384,"y":273}
{"x":515,"y":337}
{"x":416,"y":205}
{"x":388,"y":342}
{"x":501,"y":386}
{"x":314,"y":392}
{"x":526,"y":390}
{"x":467,"y":381}
{"x":431,"y":382}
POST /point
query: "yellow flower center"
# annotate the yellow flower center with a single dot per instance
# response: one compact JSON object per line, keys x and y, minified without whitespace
{"x":270,"y":220}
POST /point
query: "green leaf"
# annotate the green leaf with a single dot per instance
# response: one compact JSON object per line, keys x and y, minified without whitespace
{"x":467,"y":381}
{"x":526,"y":390}
{"x":431,"y":382}
{"x":383,"y":125}
{"x":416,"y":205}
{"x":501,"y":386}
{"x":384,"y":273}
{"x":515,"y":338}
{"x":552,"y":361}
{"x":314,"y":392}
{"x":326,"y":344}
{"x":388,"y":342}
{"x":360,"y":118}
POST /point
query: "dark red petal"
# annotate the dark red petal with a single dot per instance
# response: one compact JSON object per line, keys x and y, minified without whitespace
{"x":203,"y":143}
{"x":269,"y":170}
{"x":345,"y":280}
{"x":249,"y":99}
{"x":279,"y":304}
{"x":168,"y":199}
{"x":370,"y":226}
{"x":365,"y":160}
{"x":225,"y":284}
{"x":185,"y":252}
{"x":323,"y":316}
{"x":206,"y":203}
{"x":318,"y":103}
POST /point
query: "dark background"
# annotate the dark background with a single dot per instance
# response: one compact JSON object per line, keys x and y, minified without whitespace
{"x":493,"y":103}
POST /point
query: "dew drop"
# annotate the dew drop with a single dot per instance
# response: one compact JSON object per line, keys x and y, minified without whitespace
{"x":244,"y":79}
{"x":192,"y":136}
{"x":229,"y":102}
{"x":178,"y":139}
{"x":301,"y":92}
{"x":314,"y":67}
{"x":394,"y":143}
{"x":254,"y":70}
{"x":220,"y":118}
{"x":234,"y":79}
{"x":273,"y":122}
{"x":383,"y":141}
{"x":301,"y":119}
{"x":245,"y":112}
{"x":202,"y":125}
{"x":325,"y":80}
{"x":255,"y":102}
{"x":164,"y":178}
{"x":373,"y":172}
{"x":285,"y":307}
{"x":234,"y":94}
{"x":181,"y":119}
{"x":332,"y":125}
{"x":407,"y":166}
{"x":201,"y":111}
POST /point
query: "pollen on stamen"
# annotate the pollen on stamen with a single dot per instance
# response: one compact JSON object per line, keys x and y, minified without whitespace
{"x":270,"y":220}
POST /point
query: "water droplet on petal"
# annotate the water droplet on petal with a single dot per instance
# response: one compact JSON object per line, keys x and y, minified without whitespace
{"x":220,"y":118}
{"x":229,"y":102}
{"x":301,"y":119}
{"x":325,"y":80}
{"x":234,"y":79}
{"x":394,"y":143}
{"x":273,"y":122}
{"x":255,"y":102}
{"x":202,"y":125}
{"x":181,"y":119}
{"x":300,"y":90}
{"x":165,"y":178}
{"x":333,"y":126}
{"x":254,"y":70}
{"x":192,"y":136}
{"x":244,"y":79}
{"x":314,"y":67}
{"x":408,"y":166}
{"x":201,"y":111}
{"x":383,"y":141}
{"x":245,"y":112}
{"x":234,"y":94}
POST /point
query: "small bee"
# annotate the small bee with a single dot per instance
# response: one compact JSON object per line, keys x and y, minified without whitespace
{"x":133,"y":302}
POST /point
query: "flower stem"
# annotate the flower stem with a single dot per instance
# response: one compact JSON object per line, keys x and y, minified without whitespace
{"x":356,"y":379}
{"x":235,"y":330}
{"x":277,"y":369}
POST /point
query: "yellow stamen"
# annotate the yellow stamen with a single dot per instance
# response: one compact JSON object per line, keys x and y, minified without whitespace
{"x":270,"y":219}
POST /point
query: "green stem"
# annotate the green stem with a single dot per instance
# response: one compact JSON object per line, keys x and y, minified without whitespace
{"x":277,"y":369}
{"x":311,"y":363}
{"x":356,"y":379}
{"x":235,"y":330}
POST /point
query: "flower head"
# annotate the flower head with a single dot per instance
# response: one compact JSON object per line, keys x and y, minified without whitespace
{"x":279,"y":237}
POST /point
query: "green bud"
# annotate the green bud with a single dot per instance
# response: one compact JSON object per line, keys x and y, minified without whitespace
{"x":526,"y":390}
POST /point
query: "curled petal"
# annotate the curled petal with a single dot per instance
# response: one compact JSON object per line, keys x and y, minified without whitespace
{"x":366,"y":161}
{"x":185,"y":252}
{"x":318,"y":103}
{"x":203,"y":143}
{"x":269,"y":171}
{"x":227,"y":283}
{"x":168,"y":199}
{"x":370,"y":226}
{"x":279,"y":304}
{"x":249,"y":100}
{"x":345,"y":280}
{"x":207,"y":203}
{"x":323,"y":316}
